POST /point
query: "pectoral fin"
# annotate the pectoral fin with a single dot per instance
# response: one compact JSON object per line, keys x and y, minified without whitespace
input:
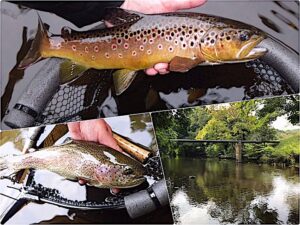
{"x":123,"y":79}
{"x":69,"y":71}
{"x":181,"y":64}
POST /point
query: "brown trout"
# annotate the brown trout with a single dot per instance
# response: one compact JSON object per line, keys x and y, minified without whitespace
{"x":138,"y":41}
{"x":99,"y":165}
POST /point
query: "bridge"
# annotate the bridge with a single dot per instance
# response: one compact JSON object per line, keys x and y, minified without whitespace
{"x":238,"y":144}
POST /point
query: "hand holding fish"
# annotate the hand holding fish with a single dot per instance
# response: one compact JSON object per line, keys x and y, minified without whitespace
{"x":160,"y":6}
{"x":93,"y":130}
{"x":164,"y":42}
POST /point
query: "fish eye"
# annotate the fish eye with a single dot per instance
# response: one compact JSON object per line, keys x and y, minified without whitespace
{"x":245,"y":36}
{"x":128,"y":170}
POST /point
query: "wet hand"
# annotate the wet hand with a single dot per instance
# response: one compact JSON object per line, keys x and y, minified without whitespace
{"x":160,"y":6}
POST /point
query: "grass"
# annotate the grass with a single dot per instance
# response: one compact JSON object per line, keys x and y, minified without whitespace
{"x":289,"y":143}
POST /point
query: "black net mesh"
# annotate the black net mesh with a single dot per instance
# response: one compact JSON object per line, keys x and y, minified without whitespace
{"x":268,"y":81}
{"x":78,"y":100}
{"x":83,"y":99}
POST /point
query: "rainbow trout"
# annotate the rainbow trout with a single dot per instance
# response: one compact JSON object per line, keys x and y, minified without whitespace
{"x":99,"y":165}
{"x":138,"y":41}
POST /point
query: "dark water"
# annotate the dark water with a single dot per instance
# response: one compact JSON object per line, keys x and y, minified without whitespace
{"x":93,"y":96}
{"x":223,"y":192}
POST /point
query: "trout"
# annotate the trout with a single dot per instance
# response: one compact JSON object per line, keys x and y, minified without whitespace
{"x":138,"y":41}
{"x":99,"y":165}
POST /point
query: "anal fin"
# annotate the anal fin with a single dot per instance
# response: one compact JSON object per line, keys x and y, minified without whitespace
{"x":182,"y":64}
{"x":122,"y":80}
{"x":70,"y":71}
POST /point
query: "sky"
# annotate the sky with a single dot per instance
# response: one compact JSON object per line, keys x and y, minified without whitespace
{"x":281,"y":123}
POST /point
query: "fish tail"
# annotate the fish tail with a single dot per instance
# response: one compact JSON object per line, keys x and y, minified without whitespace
{"x":35,"y":52}
{"x":4,"y":167}
{"x":3,"y":164}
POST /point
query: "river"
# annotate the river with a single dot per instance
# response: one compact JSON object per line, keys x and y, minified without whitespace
{"x":224,"y":192}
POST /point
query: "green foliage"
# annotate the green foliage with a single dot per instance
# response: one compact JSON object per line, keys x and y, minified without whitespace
{"x":250,"y":120}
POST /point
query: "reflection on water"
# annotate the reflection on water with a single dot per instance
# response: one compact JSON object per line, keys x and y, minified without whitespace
{"x":223,"y":192}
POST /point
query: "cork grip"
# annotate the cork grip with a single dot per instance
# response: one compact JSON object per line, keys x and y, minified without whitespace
{"x":137,"y":152}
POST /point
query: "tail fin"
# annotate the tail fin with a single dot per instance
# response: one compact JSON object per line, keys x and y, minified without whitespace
{"x":3,"y":167}
{"x":34,"y":53}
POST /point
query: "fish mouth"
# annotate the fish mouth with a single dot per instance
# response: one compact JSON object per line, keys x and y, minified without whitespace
{"x":251,"y":50}
{"x":256,"y":52}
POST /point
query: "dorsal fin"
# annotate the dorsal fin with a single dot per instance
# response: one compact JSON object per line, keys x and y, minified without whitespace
{"x":118,"y":16}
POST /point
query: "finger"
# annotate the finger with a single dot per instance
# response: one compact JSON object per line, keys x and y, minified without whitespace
{"x":82,"y":182}
{"x":114,"y":191}
{"x":161,"y":66}
{"x":163,"y":72}
{"x":151,"y":71}
{"x":108,"y":128}
{"x":74,"y":129}
{"x":182,"y":4}
{"x":109,"y":141}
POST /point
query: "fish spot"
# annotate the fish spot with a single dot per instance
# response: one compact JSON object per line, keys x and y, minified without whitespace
{"x":171,"y":49}
{"x":126,"y":45}
{"x":113,"y":46}
{"x":145,"y":40}
{"x":119,"y":41}
{"x":93,"y":57}
{"x":149,"y":51}
{"x":133,"y":53}
{"x":142,"y":48}
{"x":107,"y":55}
{"x":176,"y":42}
{"x":86,"y":49}
{"x":212,"y":41}
{"x":74,"y":48}
{"x":192,"y":44}
{"x":228,"y":38}
{"x":96,"y":48}
{"x":151,"y":41}
{"x":160,"y":46}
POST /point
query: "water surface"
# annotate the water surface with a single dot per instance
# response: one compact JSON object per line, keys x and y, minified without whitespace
{"x":223,"y":192}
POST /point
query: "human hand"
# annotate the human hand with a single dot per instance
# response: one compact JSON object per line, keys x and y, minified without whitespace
{"x":94,"y":130}
{"x":160,"y":6}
